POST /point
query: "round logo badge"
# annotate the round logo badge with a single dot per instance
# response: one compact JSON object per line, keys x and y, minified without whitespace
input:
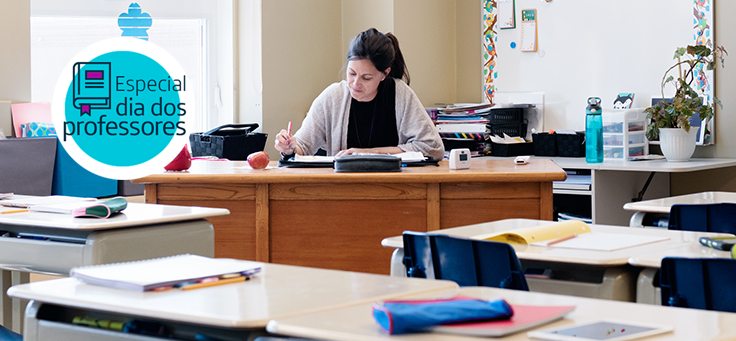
{"x":121,"y":108}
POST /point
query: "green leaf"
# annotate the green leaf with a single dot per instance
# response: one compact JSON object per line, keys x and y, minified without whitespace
{"x":699,"y":50}
{"x":680,"y":52}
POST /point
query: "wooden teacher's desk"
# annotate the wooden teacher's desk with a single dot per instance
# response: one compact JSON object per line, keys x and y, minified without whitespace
{"x":316,"y":217}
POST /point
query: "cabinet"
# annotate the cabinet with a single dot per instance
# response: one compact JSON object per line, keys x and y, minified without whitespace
{"x":624,"y":133}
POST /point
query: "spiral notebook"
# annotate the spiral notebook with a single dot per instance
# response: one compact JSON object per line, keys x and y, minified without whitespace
{"x":150,"y":274}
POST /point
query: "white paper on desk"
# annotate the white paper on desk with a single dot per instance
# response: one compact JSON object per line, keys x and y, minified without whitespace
{"x":600,"y":241}
{"x":313,"y":158}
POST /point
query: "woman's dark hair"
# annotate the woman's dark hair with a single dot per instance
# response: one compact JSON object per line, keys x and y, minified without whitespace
{"x":382,"y":50}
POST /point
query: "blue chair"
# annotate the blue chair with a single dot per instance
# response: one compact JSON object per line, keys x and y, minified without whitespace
{"x":468,"y":262}
{"x":701,"y":283}
{"x":9,"y":335}
{"x":704,"y":218}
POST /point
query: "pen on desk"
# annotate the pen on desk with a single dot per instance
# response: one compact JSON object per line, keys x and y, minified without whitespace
{"x":211,"y":284}
{"x":562,"y":239}
{"x":15,"y":211}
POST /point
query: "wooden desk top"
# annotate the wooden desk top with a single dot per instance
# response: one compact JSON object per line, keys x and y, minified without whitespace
{"x":356,"y":322}
{"x":680,"y":243}
{"x":481,"y":170}
{"x":279,"y":291}
{"x":663,"y":205}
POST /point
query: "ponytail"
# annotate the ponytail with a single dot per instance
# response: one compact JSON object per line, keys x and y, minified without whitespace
{"x":382,"y":50}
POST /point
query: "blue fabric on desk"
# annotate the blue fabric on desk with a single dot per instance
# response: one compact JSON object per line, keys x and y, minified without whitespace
{"x":398,"y":317}
{"x":9,"y":335}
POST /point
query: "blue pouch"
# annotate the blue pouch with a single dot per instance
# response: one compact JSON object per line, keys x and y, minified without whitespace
{"x":398,"y":317}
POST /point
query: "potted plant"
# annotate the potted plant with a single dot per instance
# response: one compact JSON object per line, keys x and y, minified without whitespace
{"x":670,"y":118}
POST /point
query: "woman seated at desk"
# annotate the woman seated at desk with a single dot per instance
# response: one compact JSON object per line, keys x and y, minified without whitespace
{"x":372,"y":111}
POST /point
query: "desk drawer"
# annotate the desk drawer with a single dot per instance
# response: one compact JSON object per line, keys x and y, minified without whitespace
{"x":40,"y":256}
{"x":102,"y":247}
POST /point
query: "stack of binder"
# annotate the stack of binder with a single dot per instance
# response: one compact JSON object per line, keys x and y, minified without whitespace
{"x":464,"y":126}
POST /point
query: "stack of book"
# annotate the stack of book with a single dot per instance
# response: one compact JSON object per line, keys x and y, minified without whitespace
{"x":464,"y":126}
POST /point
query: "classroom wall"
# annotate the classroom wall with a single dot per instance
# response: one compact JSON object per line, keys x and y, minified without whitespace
{"x":435,"y":37}
{"x":301,"y":55}
{"x":15,"y":59}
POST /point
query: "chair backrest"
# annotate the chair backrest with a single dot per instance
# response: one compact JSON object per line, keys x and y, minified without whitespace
{"x":704,"y":217}
{"x":701,"y":283}
{"x":468,"y":262}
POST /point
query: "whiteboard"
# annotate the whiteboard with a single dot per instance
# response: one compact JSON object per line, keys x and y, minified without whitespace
{"x":594,"y":48}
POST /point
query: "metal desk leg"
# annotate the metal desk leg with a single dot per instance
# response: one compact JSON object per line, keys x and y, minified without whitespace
{"x":6,"y":302}
{"x":637,"y":220}
{"x":397,"y":263}
{"x":646,"y":291}
{"x":19,"y":305}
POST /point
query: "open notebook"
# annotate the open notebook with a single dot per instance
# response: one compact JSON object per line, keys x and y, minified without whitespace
{"x":150,"y":274}
{"x":571,"y":234}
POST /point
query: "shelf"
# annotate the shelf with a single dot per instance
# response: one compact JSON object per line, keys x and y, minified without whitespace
{"x":572,"y":192}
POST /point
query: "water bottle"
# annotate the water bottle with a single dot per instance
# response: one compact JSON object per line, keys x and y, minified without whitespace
{"x":593,"y":131}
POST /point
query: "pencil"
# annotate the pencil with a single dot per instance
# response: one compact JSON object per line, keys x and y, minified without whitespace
{"x":15,"y":211}
{"x":288,"y":130}
{"x":211,"y":284}
{"x":562,"y":239}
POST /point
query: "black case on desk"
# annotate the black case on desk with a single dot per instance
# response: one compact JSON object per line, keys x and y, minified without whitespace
{"x":367,"y":163}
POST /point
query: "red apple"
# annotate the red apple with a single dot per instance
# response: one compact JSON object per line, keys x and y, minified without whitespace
{"x":258,"y":160}
{"x":181,"y":162}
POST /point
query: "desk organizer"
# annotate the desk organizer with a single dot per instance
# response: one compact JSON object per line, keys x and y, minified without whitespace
{"x":545,"y":144}
{"x":571,"y":145}
{"x":512,"y":149}
{"x":509,"y":121}
{"x":624,"y":133}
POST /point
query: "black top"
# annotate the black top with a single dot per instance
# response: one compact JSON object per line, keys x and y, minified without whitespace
{"x":373,"y":124}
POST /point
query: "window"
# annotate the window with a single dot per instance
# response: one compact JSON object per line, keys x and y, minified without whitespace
{"x":193,"y":31}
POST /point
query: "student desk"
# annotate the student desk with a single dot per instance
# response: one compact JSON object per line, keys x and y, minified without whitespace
{"x":647,"y":290}
{"x":586,"y":273}
{"x":663,"y":205}
{"x":316,"y":217}
{"x":356,"y":322}
{"x":225,"y":312}
{"x":141,"y":231}
{"x":616,"y":182}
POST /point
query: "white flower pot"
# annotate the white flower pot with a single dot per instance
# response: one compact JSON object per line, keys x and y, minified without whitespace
{"x":677,"y":144}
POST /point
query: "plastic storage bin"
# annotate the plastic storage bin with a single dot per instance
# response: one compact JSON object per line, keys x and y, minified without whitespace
{"x":624,"y":133}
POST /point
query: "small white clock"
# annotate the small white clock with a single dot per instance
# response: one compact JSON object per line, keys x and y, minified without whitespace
{"x":460,"y":158}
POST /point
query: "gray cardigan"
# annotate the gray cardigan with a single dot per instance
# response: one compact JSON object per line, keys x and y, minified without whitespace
{"x":326,"y":124}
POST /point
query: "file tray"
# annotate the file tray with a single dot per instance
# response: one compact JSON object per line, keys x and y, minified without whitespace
{"x":512,"y":149}
{"x":55,"y":251}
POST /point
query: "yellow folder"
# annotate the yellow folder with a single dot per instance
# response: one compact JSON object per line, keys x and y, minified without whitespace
{"x":539,"y":233}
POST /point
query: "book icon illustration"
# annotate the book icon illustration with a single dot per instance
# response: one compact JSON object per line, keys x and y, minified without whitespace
{"x":92,"y":89}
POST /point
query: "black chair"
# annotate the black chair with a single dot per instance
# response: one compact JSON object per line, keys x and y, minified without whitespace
{"x":704,"y":218}
{"x":701,"y":283}
{"x":468,"y":262}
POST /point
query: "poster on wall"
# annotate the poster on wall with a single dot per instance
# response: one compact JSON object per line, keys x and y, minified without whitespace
{"x":490,"y":36}
{"x":702,"y":35}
